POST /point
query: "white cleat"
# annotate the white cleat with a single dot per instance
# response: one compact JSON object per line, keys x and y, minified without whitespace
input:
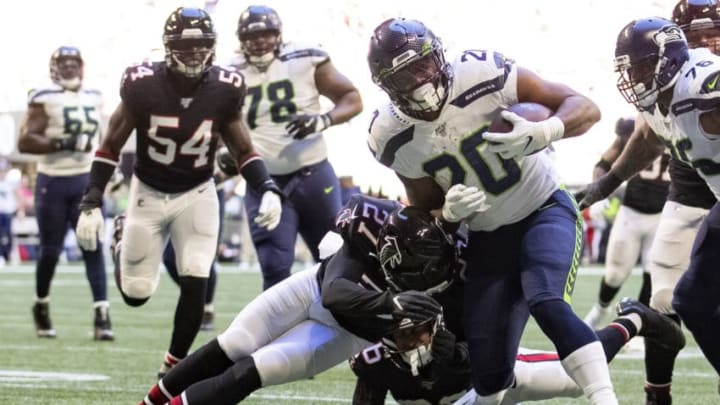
{"x":597,"y":316}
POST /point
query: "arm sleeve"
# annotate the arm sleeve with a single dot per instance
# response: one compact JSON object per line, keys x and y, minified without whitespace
{"x":368,"y":393}
{"x":341,"y":292}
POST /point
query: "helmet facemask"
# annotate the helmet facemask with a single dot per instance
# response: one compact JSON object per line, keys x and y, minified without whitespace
{"x":66,"y":67}
{"x":260,"y":47}
{"x":411,"y":343}
{"x":189,"y":55}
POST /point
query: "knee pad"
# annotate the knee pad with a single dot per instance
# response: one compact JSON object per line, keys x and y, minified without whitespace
{"x":661,"y":301}
{"x":138,"y":288}
{"x":616,"y":274}
{"x":134,"y":244}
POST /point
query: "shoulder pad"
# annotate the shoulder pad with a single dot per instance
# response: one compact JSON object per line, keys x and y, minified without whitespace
{"x":359,"y":223}
{"x":227,"y":74}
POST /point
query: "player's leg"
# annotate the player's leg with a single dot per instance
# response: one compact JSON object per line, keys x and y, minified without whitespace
{"x":317,"y":200}
{"x":548,"y":278}
{"x":623,"y":251}
{"x":263,"y":319}
{"x":668,"y":259}
{"x":52,"y":226}
{"x":495,"y":312}
{"x":208,"y":319}
{"x":143,"y":238}
{"x":275,"y":249}
{"x":94,"y":264}
{"x":193,"y":233}
{"x":696,"y":297}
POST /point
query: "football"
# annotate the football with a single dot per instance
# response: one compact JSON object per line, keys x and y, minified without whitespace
{"x":530,"y":111}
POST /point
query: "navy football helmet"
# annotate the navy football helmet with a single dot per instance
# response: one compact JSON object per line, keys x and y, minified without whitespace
{"x":408,"y":62}
{"x":415,"y":252}
{"x":700,"y":20}
{"x":189,"y":39}
{"x":66,"y":67}
{"x":648,"y":56}
{"x":260,"y":34}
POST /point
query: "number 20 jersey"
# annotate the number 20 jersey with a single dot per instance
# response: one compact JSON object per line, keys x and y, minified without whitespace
{"x":177,"y":135}
{"x":451,"y":149}
{"x":285,"y":88}
{"x":695,"y":93}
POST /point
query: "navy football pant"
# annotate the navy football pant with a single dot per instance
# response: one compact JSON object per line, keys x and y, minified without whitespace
{"x":56,"y":205}
{"x":312,"y":199}
{"x":517,"y":270}
{"x":170,"y":261}
{"x":697,"y":294}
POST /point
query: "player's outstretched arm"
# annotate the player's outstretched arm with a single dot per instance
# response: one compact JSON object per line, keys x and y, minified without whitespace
{"x":340,"y":90}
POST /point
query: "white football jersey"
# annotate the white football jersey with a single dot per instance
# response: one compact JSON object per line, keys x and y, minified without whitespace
{"x":452,"y":150}
{"x":69,"y":113}
{"x":286,"y":87}
{"x":695,"y":93}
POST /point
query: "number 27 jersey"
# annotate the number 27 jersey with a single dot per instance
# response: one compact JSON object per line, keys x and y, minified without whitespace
{"x":451,"y":149}
{"x":177,"y":135}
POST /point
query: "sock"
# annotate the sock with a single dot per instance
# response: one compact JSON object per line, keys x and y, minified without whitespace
{"x":101,"y":304}
{"x":645,"y":289}
{"x":614,"y":336}
{"x":606,"y":293}
{"x":206,"y":362}
{"x":188,"y":314}
{"x":158,"y":395}
{"x":659,"y":362}
{"x":588,"y":368}
{"x":209,"y":307}
{"x":43,"y":300}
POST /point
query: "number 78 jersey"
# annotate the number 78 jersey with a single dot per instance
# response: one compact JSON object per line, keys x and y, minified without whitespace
{"x":451,"y":149}
{"x":177,"y":135}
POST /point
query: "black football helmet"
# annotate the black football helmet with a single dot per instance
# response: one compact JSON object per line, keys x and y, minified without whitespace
{"x":648,"y":56}
{"x":66,"y":67}
{"x":189,"y":39}
{"x":260,"y":34}
{"x":408,"y":62}
{"x":700,"y":21}
{"x":415,"y":252}
{"x":410,"y":345}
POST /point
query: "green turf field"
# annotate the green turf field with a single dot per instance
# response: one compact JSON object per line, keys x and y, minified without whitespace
{"x":78,"y":370}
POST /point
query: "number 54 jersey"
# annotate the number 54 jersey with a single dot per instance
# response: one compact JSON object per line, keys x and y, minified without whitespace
{"x":177,"y":132}
{"x":451,"y":149}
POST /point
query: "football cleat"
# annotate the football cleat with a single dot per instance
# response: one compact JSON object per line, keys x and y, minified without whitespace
{"x":43,"y":324}
{"x":168,"y":362}
{"x":657,"y":327}
{"x":597,"y":316}
{"x":103,"y":327}
{"x":208,"y":321}
{"x":658,"y":395}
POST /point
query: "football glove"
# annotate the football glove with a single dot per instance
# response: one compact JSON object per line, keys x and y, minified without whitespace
{"x":300,"y":126}
{"x":597,"y":190}
{"x":526,"y":137}
{"x":462,"y":201}
{"x":89,"y":228}
{"x":226,"y":162}
{"x":270,"y":210}
{"x":443,"y":345}
{"x":414,"y":305}
{"x":75,"y":143}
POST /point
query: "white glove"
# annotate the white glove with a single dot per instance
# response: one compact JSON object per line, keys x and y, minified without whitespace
{"x":462,"y":201}
{"x":526,"y":137}
{"x":90,"y":226}
{"x":270,"y":211}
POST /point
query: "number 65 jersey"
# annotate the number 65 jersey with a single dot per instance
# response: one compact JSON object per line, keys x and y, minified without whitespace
{"x":451,"y":149}
{"x":177,"y":134}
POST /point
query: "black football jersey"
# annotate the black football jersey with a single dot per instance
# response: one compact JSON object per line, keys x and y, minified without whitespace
{"x":647,"y":191}
{"x":353,"y":279}
{"x":381,"y":372}
{"x":177,"y":134}
{"x":687,"y":187}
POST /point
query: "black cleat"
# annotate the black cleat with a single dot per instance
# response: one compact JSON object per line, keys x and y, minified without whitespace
{"x":208,"y":321}
{"x":43,"y":324}
{"x":657,"y":395}
{"x":657,"y":327}
{"x":103,"y":327}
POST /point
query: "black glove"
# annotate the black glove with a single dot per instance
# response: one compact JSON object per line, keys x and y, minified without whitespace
{"x":415,"y":305}
{"x":226,"y":162}
{"x":76,"y":143}
{"x":597,"y":190}
{"x":300,"y":126}
{"x":443,"y":346}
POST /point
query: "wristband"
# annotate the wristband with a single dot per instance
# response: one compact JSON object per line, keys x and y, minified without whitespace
{"x":604,"y":165}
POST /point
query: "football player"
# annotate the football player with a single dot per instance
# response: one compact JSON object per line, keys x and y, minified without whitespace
{"x":177,"y":108}
{"x":689,"y":200}
{"x":525,"y":231}
{"x":634,"y":226}
{"x":62,"y":123}
{"x":669,"y":84}
{"x":293,"y":331}
{"x":282,"y":111}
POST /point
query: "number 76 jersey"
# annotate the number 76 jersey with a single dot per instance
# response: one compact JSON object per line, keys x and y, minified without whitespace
{"x":451,"y":149}
{"x":177,"y":134}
